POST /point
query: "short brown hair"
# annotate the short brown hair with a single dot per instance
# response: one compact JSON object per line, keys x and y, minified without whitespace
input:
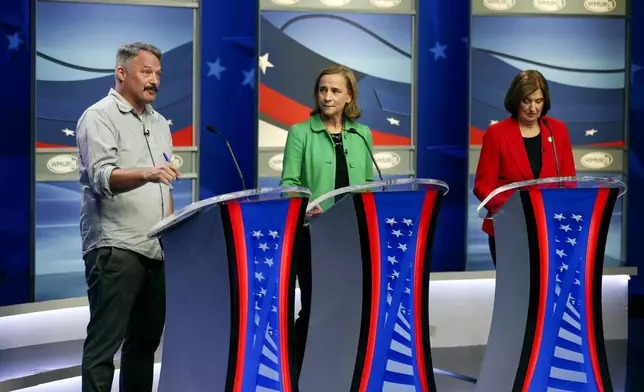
{"x":351,"y":110}
{"x":524,"y":84}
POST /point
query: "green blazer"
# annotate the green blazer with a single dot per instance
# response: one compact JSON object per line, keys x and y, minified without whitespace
{"x":309,"y":157}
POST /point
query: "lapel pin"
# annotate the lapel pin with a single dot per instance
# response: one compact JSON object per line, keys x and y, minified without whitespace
{"x":550,"y":139}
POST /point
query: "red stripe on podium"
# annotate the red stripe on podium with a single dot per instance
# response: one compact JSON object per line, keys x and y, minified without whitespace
{"x":421,"y":243}
{"x":374,"y":247}
{"x":593,"y":233}
{"x":239,"y":239}
{"x":285,"y":269}
{"x":542,"y":233}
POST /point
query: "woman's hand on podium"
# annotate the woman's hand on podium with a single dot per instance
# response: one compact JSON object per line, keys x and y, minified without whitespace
{"x":314,"y":211}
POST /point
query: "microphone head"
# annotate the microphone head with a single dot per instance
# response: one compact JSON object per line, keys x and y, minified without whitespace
{"x":352,"y":130}
{"x":211,"y":128}
{"x":545,"y":121}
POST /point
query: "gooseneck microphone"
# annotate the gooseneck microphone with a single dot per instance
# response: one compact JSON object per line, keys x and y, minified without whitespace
{"x":230,"y":150}
{"x":353,"y":130}
{"x":554,"y":147}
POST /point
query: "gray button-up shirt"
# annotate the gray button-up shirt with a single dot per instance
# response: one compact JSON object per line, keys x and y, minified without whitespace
{"x":111,"y":135}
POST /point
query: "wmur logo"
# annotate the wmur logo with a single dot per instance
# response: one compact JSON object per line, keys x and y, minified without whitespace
{"x":335,"y":3}
{"x":549,"y":5}
{"x":385,"y":3}
{"x":499,"y":5}
{"x":600,"y":5}
{"x":62,"y":164}
{"x":285,"y":2}
{"x":597,"y":160}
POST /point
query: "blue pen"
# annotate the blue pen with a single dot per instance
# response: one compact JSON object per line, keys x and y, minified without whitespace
{"x":165,"y":156}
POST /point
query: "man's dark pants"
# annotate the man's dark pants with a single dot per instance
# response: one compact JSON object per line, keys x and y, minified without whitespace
{"x":126,"y":294}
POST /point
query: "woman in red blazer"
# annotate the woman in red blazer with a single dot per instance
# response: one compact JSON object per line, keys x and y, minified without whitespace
{"x":520,"y":147}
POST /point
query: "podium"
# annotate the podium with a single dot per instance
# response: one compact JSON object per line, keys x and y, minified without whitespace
{"x":546,"y":332}
{"x":370,"y":259}
{"x":230,"y":291}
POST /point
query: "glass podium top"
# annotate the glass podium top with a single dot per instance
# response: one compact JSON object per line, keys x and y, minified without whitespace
{"x":553,"y":182}
{"x":249,"y":195}
{"x":393,"y":185}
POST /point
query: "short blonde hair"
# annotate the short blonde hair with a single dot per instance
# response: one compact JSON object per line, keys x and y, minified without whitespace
{"x":351,"y":110}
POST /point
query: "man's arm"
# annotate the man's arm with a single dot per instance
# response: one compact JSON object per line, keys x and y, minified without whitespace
{"x":97,"y":147}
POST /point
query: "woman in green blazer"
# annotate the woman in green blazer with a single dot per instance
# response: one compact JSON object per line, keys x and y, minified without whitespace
{"x":322,"y":155}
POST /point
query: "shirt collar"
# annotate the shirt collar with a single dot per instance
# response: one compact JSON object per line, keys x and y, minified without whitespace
{"x":318,"y":126}
{"x":124,"y":106}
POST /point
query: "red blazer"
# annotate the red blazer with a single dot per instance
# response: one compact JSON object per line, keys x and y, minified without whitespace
{"x":504,"y":160}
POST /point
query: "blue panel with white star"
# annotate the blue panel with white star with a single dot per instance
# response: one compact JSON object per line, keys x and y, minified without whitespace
{"x":442,"y":115}
{"x":15,"y":153}
{"x":228,"y":95}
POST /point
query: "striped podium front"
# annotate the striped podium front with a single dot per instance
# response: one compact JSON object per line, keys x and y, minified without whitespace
{"x":369,"y":326}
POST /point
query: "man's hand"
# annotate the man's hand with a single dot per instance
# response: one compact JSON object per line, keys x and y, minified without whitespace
{"x":165,"y":174}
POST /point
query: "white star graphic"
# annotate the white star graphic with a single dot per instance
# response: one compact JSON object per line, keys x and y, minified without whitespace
{"x":215,"y":69}
{"x":560,"y":253}
{"x":392,"y":259}
{"x":565,"y":228}
{"x":571,"y":241}
{"x":402,"y":247}
{"x":269,"y":261}
{"x":576,"y":217}
{"x":492,"y":122}
{"x":273,"y":233}
{"x":393,"y":121}
{"x":263,"y":247}
{"x":264,"y":63}
{"x":408,"y":222}
{"x":14,"y":41}
{"x":563,"y":266}
{"x":391,"y":221}
{"x":249,"y":78}
{"x":257,"y":233}
{"x":591,"y":132}
{"x":439,"y":51}
{"x":262,"y":292}
{"x":559,"y":217}
{"x":68,"y":132}
{"x":397,"y":233}
{"x":259,"y":276}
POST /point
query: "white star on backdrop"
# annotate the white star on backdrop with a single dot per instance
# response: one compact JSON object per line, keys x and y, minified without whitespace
{"x":169,"y":122}
{"x":591,"y":132}
{"x":393,"y":121}
{"x":14,"y":41}
{"x":492,"y":122}
{"x":439,"y":51}
{"x":264,"y":63}
{"x":68,"y":132}
{"x":215,"y":69}
{"x":249,"y":78}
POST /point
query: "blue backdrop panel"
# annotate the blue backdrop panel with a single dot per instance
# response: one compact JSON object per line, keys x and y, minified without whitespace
{"x":15,"y":153}
{"x":635,"y":178}
{"x":442,"y":119}
{"x":228,"y":94}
